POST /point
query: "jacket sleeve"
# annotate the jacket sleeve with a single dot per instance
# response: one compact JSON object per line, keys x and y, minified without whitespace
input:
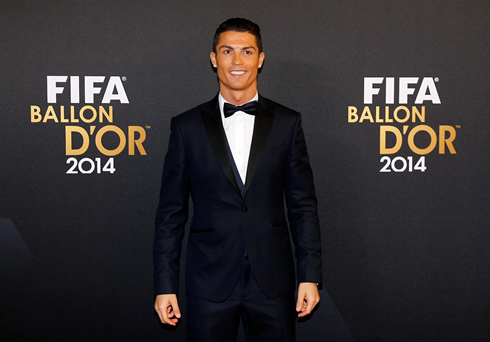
{"x":171,"y":216}
{"x":302,"y":209}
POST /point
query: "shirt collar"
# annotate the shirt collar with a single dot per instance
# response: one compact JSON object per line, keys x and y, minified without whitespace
{"x":221,"y":101}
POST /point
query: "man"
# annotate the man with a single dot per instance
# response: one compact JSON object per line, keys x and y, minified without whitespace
{"x":238,"y":164}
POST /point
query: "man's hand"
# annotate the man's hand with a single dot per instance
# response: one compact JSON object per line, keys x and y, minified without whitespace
{"x":308,"y":297}
{"x":167,"y":308}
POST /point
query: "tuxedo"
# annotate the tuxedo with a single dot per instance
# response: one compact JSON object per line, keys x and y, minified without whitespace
{"x":230,"y":221}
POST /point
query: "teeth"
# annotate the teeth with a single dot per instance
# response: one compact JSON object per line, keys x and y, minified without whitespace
{"x":237,"y":72}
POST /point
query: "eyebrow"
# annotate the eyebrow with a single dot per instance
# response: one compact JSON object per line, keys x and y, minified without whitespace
{"x":232,"y":48}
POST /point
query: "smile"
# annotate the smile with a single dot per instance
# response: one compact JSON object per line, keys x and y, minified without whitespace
{"x":237,"y":72}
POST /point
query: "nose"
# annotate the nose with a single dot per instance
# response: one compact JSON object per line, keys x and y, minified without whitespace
{"x":237,"y":59}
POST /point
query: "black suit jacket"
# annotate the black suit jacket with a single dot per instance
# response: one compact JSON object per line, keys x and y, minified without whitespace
{"x":226,"y":223}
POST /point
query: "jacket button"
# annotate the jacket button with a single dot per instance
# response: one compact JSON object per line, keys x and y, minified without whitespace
{"x":244,"y":209}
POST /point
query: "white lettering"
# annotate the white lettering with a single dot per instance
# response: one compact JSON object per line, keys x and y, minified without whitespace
{"x":52,"y":88}
{"x":90,"y":89}
{"x":109,"y":95}
{"x":428,"y":84}
{"x":369,"y":90}
{"x":404,"y":90}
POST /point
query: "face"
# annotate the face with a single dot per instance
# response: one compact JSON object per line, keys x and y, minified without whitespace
{"x":237,"y":60}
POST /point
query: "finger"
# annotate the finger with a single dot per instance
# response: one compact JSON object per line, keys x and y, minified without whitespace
{"x":309,"y":307}
{"x":159,"y":314}
{"x":310,"y":304}
{"x":302,"y":312}
{"x":299,"y":302}
{"x":167,"y":319}
{"x":171,"y":314}
{"x":165,"y":309}
{"x":304,"y":308}
{"x":175,"y":307}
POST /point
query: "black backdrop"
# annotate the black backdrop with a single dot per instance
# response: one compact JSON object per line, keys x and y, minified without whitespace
{"x":406,"y":254}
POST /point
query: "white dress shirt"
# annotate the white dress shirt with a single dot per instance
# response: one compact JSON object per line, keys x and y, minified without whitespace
{"x":239,"y":131}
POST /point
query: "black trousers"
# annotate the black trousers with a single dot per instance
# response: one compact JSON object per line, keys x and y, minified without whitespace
{"x":264,"y":319}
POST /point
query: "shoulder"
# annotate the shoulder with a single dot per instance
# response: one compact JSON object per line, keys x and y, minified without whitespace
{"x":191,"y":113}
{"x":195,"y":114}
{"x":280,"y":110}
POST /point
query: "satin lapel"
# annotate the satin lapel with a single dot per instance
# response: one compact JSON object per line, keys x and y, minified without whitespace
{"x":217,"y":137}
{"x":262,"y":127}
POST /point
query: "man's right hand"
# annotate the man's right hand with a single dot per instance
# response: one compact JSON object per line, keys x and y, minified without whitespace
{"x":167,"y":308}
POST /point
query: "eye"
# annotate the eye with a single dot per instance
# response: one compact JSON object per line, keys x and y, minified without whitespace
{"x":227,"y":51}
{"x":248,"y":52}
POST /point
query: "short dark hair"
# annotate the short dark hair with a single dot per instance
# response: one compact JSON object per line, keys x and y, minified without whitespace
{"x":238,"y":25}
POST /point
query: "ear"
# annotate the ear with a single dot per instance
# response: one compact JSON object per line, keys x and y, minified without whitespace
{"x":212,"y":56}
{"x":261,"y":59}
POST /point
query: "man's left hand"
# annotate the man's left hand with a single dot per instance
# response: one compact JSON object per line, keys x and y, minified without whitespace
{"x":308,"y":297}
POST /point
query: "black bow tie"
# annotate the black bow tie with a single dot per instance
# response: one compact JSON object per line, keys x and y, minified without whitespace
{"x":249,"y":108}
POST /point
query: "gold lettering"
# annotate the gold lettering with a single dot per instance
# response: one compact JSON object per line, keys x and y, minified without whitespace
{"x":416,"y":113}
{"x":82,"y":116}
{"x":50,"y":115}
{"x":378,"y":119}
{"x":382,"y":139}
{"x":387,"y":115}
{"x":122,"y":140}
{"x":62,"y":114}
{"x":35,"y":114}
{"x":70,"y":151}
{"x":103,"y":112}
{"x":446,"y":141}
{"x":407,"y":112}
{"x":72,"y":115}
{"x":138,"y":142}
{"x":352,"y":114}
{"x":366,"y":114}
{"x":433,"y":139}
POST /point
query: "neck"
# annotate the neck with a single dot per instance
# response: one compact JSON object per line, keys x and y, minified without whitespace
{"x":238,"y":97}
